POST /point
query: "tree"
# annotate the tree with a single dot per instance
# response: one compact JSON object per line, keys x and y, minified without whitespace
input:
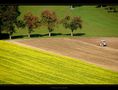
{"x":20,"y":24}
{"x":49,"y":19}
{"x":31,"y":22}
{"x":72,"y":23}
{"x":71,"y":7}
{"x":66,"y":21}
{"x":75,"y":24}
{"x":0,"y":25}
{"x":9,"y":28}
{"x":8,"y":18}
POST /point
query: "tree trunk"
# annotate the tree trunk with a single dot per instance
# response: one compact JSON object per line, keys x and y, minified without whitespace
{"x":72,"y":33}
{"x":9,"y":36}
{"x":71,"y":7}
{"x":0,"y":31}
{"x":28,"y":35}
{"x":49,"y":34}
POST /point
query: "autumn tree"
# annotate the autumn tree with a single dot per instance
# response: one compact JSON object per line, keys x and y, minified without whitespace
{"x":72,"y":23}
{"x":8,"y":18}
{"x":49,"y":19}
{"x":31,"y":21}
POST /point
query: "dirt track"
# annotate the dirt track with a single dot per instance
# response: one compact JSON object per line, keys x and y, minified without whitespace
{"x":88,"y":50}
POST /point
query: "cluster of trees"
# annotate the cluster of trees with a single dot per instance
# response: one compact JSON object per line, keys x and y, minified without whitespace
{"x":109,"y":8}
{"x":73,"y":23}
{"x":9,"y":19}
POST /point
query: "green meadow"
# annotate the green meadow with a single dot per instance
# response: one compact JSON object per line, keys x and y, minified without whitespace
{"x":97,"y":22}
{"x":23,"y":65}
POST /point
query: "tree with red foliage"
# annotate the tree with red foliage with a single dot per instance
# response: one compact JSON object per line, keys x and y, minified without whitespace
{"x":49,"y":19}
{"x":31,"y":22}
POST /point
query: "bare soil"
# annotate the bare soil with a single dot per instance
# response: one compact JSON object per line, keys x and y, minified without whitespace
{"x":86,"y":49}
{"x":111,"y":42}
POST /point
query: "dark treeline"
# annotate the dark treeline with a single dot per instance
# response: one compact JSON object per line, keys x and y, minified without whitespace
{"x":8,"y":17}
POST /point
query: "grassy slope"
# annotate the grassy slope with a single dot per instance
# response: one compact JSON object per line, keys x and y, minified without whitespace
{"x":19,"y":65}
{"x":96,"y":21}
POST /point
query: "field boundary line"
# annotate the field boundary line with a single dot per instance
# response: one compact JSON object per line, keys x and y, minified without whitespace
{"x":39,"y":49}
{"x":51,"y":52}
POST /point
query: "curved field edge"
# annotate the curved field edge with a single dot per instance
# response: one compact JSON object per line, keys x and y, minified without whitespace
{"x":23,"y":65}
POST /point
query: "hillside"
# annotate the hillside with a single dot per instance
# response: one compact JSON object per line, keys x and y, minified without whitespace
{"x":96,"y":21}
{"x":23,"y":65}
{"x":80,"y":48}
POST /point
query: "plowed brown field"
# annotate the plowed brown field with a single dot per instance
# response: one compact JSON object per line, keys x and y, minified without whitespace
{"x":86,"y":49}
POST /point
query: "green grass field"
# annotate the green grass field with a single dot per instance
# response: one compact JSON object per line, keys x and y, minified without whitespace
{"x":21,"y":65}
{"x":97,"y":22}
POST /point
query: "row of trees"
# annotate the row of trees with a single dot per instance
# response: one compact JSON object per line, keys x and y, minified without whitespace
{"x":50,"y":20}
{"x":9,"y":14}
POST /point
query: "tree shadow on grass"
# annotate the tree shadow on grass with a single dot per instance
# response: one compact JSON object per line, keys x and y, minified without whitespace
{"x":19,"y":36}
{"x":56,"y":34}
{"x":42,"y":35}
{"x":75,"y":34}
{"x":4,"y":36}
{"x":112,"y":11}
{"x":35,"y":35}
